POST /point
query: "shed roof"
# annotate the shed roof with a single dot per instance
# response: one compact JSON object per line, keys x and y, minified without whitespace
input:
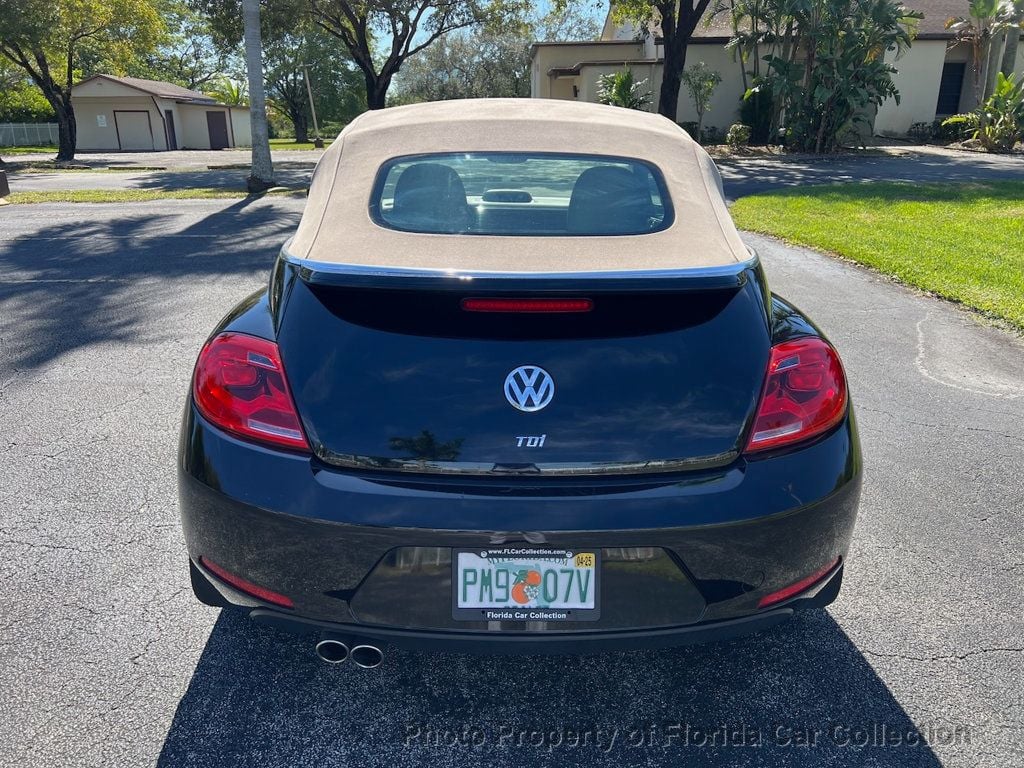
{"x":157,"y":88}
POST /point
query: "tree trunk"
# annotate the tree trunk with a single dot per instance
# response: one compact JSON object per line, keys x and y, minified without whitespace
{"x":67,"y":133}
{"x":301,"y":130}
{"x":672,"y":79}
{"x":261,"y":176}
{"x":376,"y":89}
{"x":1010,"y":53}
{"x":992,"y":66}
{"x":301,"y":125}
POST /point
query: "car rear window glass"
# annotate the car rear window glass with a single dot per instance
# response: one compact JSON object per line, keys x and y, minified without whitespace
{"x":503,"y":193}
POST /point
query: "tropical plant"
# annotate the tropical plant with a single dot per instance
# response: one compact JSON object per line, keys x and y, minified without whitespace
{"x":229,"y":91}
{"x":701,"y":82}
{"x":824,"y":64}
{"x":620,"y":89}
{"x":983,"y":31}
{"x":998,"y":124}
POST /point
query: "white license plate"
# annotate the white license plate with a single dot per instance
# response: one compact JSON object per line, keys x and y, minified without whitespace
{"x":523,"y":583}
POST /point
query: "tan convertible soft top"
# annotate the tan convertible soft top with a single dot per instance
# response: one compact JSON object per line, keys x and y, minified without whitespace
{"x":336,"y":228}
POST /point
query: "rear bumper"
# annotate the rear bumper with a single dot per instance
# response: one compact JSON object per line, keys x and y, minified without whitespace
{"x":553,"y":642}
{"x":711,"y":544}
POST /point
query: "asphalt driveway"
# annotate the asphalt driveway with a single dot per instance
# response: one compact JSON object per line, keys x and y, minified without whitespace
{"x":742,"y":176}
{"x":105,"y":658}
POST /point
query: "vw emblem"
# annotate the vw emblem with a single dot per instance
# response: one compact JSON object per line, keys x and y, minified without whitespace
{"x":529,"y":388}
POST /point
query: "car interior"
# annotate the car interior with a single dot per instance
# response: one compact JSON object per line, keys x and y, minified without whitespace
{"x":604,"y":199}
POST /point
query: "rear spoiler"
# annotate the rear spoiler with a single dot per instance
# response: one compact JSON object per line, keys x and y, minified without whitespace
{"x":724,"y":277}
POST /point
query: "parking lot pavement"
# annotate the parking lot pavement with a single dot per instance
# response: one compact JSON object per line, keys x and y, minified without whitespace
{"x":741,"y":176}
{"x":182,"y":158}
{"x":105,"y":658}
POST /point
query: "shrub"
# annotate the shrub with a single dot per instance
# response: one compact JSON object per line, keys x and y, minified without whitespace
{"x":701,"y":82}
{"x":738,"y":135}
{"x":998,"y":124}
{"x":709,"y":135}
{"x":921,"y":132}
{"x":690,"y":126}
{"x":942,"y":133}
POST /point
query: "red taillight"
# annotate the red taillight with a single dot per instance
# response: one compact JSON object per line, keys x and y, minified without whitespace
{"x":239,"y":385}
{"x":244,"y":585}
{"x":527,"y":305}
{"x":804,"y":394}
{"x":795,"y":589}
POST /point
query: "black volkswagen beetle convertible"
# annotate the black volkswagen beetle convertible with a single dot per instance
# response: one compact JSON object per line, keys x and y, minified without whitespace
{"x":516,"y":384}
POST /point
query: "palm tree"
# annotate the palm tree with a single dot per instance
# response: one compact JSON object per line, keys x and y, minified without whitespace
{"x":234,"y":93}
{"x":261,"y":175}
{"x":982,"y":29}
{"x":1014,"y":15}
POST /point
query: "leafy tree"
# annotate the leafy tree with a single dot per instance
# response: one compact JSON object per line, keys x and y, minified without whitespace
{"x":701,"y":82}
{"x":53,"y":41}
{"x":292,"y":39}
{"x":20,"y":100}
{"x":486,"y":62}
{"x":381,"y":35}
{"x":334,"y":81}
{"x":186,"y":53}
{"x":677,"y":20}
{"x":620,"y":89}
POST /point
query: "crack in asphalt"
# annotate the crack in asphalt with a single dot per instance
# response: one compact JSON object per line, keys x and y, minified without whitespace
{"x":944,"y":657}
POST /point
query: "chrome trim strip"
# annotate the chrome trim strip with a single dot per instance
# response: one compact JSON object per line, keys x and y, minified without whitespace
{"x":364,"y":271}
{"x":490,"y":469}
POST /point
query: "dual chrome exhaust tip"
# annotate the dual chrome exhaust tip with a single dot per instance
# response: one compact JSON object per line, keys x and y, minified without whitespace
{"x":333,"y":651}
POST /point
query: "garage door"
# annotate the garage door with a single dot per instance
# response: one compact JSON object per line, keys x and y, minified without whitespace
{"x":134,"y":131}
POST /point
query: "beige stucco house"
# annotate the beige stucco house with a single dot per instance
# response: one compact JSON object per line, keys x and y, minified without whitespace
{"x":933,"y":78}
{"x":127,"y":113}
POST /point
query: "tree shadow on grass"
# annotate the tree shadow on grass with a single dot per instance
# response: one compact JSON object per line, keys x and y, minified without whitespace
{"x":261,"y":698}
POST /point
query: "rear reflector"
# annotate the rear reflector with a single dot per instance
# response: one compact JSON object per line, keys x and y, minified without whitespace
{"x":804,"y":394}
{"x":240,"y":386}
{"x":795,"y":589}
{"x":527,"y":305}
{"x":246,"y":586}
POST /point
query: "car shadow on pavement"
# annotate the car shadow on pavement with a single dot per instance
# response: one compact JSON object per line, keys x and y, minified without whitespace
{"x":800,"y":694}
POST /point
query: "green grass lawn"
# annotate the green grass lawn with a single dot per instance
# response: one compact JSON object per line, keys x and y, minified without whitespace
{"x":26,"y":150}
{"x":292,"y":144}
{"x":133,"y":195}
{"x":961,"y":241}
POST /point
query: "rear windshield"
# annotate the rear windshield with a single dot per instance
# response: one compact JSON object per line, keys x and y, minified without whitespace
{"x":502,"y":193}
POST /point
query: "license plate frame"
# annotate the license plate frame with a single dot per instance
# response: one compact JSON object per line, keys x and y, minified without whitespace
{"x":525,"y":558}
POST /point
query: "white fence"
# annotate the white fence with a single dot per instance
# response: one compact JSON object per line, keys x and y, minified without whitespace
{"x":27,"y":134}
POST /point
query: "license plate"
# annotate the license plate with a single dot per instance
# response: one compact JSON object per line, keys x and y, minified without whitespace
{"x":526,"y":584}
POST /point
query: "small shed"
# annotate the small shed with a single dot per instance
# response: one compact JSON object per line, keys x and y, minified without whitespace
{"x":131,"y":114}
